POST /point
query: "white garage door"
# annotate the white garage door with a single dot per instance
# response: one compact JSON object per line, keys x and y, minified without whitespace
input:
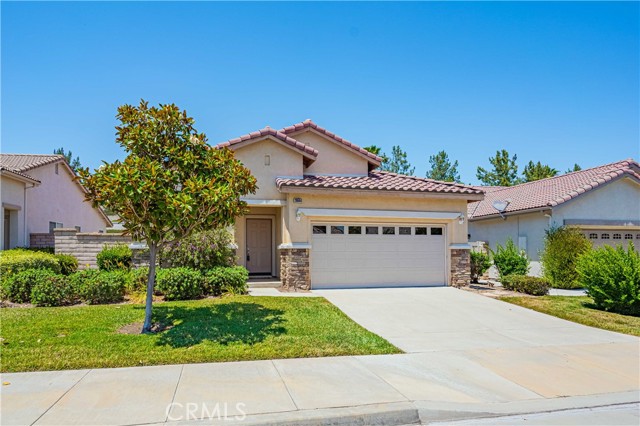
{"x":377,"y":255}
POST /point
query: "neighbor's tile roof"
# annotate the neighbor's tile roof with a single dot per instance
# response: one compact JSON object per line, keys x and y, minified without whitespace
{"x":378,"y":180}
{"x":24,"y":175}
{"x":268,"y":131}
{"x":553,"y":191}
{"x":25,"y":162}
{"x":310,"y":124}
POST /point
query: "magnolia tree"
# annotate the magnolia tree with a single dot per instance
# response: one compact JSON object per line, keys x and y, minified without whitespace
{"x":171,"y":184}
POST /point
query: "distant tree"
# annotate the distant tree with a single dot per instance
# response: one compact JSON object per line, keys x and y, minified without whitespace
{"x":397,"y":162}
{"x":504,"y":172}
{"x":74,"y":163}
{"x":536,"y":171}
{"x":374,"y":149}
{"x":576,"y":168}
{"x":442,"y":168}
{"x":170,"y":185}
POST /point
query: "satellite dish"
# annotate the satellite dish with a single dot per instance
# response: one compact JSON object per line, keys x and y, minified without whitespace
{"x":500,"y":205}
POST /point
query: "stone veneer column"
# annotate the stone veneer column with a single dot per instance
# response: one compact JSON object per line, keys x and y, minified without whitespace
{"x":294,"y":269}
{"x":460,"y":267}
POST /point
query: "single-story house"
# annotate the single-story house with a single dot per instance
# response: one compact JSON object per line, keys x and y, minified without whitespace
{"x":603,"y":201}
{"x":39,"y":193}
{"x":325,"y":217}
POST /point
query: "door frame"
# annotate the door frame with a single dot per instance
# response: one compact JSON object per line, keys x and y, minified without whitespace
{"x":272,"y":219}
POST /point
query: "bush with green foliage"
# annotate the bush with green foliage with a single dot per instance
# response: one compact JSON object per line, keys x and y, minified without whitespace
{"x":17,"y":287}
{"x":115,"y":257}
{"x":612,"y":278}
{"x":53,"y":290}
{"x":226,"y":279}
{"x":202,"y":250}
{"x":510,"y":260}
{"x":96,"y":287}
{"x":68,"y":263}
{"x":562,"y":248}
{"x":138,"y":279}
{"x":180,"y":283}
{"x":534,"y":286}
{"x":17,"y":260}
{"x":480,"y":263}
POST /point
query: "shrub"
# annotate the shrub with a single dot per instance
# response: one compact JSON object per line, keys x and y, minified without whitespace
{"x":180,"y":283}
{"x":203,"y":250}
{"x":510,"y":260}
{"x":68,"y":263}
{"x":137,"y":282}
{"x":226,"y":280}
{"x":115,"y":257}
{"x":17,"y":287}
{"x":562,"y":247}
{"x":612,"y":278}
{"x":480,"y":263}
{"x":95,"y":287}
{"x":524,"y":284}
{"x":17,"y":260}
{"x":52,"y":290}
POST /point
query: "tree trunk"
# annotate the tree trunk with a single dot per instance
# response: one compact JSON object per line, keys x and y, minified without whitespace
{"x":146,"y":328}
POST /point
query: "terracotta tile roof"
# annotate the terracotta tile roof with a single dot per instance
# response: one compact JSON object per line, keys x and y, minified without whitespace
{"x":24,"y":175}
{"x":310,"y":124}
{"x":553,"y":191}
{"x":26,"y":162}
{"x":268,"y":131}
{"x":378,"y":180}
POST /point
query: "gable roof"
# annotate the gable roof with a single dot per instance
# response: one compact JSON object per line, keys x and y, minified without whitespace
{"x":307,"y":151}
{"x":553,"y":191}
{"x":380,"y":181}
{"x":308,"y":124}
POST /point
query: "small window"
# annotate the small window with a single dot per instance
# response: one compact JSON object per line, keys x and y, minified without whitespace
{"x":78,"y":228}
{"x":436,"y":231}
{"x":337,"y":230}
{"x":355,"y":230}
{"x":54,"y":225}
{"x":371,"y":230}
{"x":421,"y":230}
{"x":593,"y":236}
{"x":404,"y":230}
{"x":389,"y":230}
{"x":604,"y":236}
{"x":617,"y":236}
{"x":628,"y":236}
{"x":319,"y":229}
{"x":56,"y":169}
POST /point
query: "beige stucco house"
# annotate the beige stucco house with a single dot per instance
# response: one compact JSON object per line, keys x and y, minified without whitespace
{"x":324,"y":216}
{"x":603,"y":201}
{"x":38,"y":194}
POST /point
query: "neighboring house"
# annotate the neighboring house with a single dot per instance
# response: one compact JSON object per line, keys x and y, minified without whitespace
{"x":323,"y":216}
{"x":603,"y":201}
{"x":39,"y":193}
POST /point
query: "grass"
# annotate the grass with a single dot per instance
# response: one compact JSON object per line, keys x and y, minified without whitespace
{"x":579,"y":309}
{"x":231,"y":328}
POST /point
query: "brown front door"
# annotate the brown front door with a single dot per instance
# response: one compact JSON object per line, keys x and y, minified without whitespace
{"x":259,"y":246}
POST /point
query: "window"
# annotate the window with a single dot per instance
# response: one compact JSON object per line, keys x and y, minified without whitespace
{"x":355,"y":230}
{"x":371,"y":230}
{"x":617,"y":236}
{"x":56,"y":169}
{"x":628,"y":236}
{"x":404,"y":230}
{"x":339,"y":230}
{"x":604,"y":236}
{"x":389,"y":230}
{"x":420,"y":230}
{"x":436,"y":231}
{"x":78,"y":228}
{"x":319,"y":229}
{"x":54,"y":225}
{"x":593,"y":236}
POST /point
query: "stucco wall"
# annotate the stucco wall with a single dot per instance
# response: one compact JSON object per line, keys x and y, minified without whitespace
{"x":283,"y":162}
{"x":13,"y":194}
{"x":59,"y":199}
{"x":332,"y":157}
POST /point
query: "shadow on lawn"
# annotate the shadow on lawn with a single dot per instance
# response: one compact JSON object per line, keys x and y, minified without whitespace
{"x":224,"y":323}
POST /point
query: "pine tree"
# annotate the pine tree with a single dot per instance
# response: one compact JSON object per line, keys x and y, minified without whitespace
{"x":442,"y":168}
{"x":536,"y":171}
{"x":397,"y":162}
{"x":575,"y":168}
{"x":504,"y":172}
{"x":74,"y":163}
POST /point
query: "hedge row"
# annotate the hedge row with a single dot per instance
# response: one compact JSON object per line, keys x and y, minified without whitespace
{"x":17,"y":260}
{"x":525,"y":284}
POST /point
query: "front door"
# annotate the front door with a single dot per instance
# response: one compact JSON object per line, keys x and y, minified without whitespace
{"x":259,"y":246}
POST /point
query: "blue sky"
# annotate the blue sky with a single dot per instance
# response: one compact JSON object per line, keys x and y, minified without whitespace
{"x":555,"y":82}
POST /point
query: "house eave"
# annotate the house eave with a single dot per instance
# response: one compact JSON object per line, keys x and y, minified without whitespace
{"x":377,"y":193}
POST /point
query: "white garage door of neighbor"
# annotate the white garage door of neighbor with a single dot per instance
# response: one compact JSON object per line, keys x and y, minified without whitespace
{"x":377,"y":255}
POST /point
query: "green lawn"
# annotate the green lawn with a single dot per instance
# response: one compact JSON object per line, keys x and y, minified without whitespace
{"x":580,"y":310}
{"x":228,"y":329}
